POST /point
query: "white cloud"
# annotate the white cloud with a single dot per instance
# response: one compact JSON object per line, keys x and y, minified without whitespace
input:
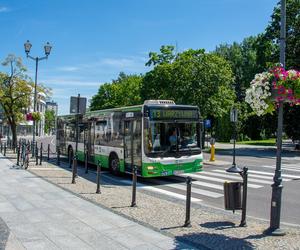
{"x":4,"y":9}
{"x":70,"y":82}
{"x":133,"y":64}
{"x":68,"y":68}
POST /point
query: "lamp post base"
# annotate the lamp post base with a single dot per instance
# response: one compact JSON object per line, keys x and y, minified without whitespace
{"x":275,"y":232}
{"x":243,"y":224}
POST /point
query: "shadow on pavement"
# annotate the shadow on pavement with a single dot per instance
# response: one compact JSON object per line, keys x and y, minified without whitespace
{"x":4,"y":234}
{"x":258,"y":152}
{"x":214,"y":241}
{"x":218,"y":225}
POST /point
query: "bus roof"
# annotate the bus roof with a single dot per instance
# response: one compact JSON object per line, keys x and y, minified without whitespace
{"x":129,"y":108}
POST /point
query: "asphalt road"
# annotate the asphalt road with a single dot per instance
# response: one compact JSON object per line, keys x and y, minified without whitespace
{"x":263,"y":163}
{"x":208,"y":185}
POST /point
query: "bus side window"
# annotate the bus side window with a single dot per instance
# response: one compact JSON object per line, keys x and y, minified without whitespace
{"x":100,"y":129}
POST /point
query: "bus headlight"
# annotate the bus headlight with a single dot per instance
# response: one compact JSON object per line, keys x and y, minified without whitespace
{"x":150,"y":168}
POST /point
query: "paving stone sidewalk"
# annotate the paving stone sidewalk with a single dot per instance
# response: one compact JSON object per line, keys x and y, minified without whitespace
{"x":39,"y":215}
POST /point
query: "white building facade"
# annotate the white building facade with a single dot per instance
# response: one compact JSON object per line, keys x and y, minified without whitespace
{"x":26,"y":128}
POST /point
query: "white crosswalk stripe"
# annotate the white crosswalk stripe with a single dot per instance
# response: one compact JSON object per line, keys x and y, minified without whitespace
{"x":255,"y":175}
{"x":284,"y":168}
{"x":235,"y":177}
{"x":207,"y":184}
{"x":214,"y":179}
{"x":194,"y":190}
{"x":158,"y":190}
{"x":267,"y":173}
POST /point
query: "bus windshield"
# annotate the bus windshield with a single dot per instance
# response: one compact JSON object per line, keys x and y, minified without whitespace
{"x":169,"y":138}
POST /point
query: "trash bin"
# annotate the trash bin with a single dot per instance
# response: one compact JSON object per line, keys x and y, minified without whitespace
{"x":232,"y":195}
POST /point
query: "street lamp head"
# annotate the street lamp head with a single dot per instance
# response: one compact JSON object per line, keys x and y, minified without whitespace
{"x":234,"y":169}
{"x":27,"y":47}
{"x":47,"y":48}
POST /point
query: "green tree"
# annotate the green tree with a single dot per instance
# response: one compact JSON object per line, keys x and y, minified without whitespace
{"x":15,"y":92}
{"x":272,"y":33}
{"x":242,"y":59}
{"x":49,"y":121}
{"x":247,"y":58}
{"x":193,"y":77}
{"x":124,"y":91}
{"x":166,"y":55}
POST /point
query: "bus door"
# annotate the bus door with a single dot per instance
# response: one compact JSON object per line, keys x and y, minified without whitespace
{"x":89,"y":140}
{"x":133,"y":145}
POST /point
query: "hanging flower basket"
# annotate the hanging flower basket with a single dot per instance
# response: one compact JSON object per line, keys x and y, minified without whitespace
{"x":267,"y":89}
{"x":36,"y":116}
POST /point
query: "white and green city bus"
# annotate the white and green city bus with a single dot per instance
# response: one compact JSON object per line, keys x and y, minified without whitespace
{"x":159,"y":137}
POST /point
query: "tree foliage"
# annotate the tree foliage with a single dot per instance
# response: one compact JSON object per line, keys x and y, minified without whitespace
{"x":49,"y":121}
{"x":166,"y":55}
{"x":193,"y":77}
{"x":124,"y":91}
{"x":272,"y":33}
{"x":15,"y":92}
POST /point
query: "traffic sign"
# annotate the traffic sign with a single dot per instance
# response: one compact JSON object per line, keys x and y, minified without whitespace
{"x":233,"y":115}
{"x":207,"y":123}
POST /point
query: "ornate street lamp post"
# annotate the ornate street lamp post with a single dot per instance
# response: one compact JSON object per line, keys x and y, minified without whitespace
{"x":274,"y":228}
{"x":47,"y":49}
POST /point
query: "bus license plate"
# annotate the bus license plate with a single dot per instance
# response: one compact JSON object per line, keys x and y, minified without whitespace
{"x":175,"y":172}
{"x":164,"y":173}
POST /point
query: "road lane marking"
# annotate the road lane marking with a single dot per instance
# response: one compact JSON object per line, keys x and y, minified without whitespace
{"x":162,"y":191}
{"x":235,"y":177}
{"x":207,"y":184}
{"x":283,"y":175}
{"x":255,"y":175}
{"x":217,"y":179}
{"x":194,"y":190}
{"x":284,"y":167}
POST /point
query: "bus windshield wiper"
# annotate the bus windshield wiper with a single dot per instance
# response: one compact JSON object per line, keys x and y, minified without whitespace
{"x":169,"y":150}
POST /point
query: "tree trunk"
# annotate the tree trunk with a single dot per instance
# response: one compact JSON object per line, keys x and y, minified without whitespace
{"x":13,"y":127}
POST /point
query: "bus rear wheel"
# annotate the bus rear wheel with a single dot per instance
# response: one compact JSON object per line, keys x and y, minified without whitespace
{"x":114,"y":164}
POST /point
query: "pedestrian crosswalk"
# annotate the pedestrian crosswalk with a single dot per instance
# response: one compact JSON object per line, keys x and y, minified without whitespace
{"x":209,"y":183}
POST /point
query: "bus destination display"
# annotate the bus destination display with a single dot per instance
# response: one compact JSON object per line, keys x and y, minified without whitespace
{"x":161,"y":114}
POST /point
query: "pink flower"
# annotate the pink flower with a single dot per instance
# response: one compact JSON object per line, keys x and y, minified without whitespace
{"x":279,"y":98}
{"x":281,"y":90}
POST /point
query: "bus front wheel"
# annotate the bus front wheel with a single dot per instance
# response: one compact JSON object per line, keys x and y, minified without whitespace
{"x":114,"y":164}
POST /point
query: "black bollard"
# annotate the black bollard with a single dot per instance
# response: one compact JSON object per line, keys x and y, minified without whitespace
{"x":73,"y":169}
{"x":18,"y":155}
{"x":134,"y":179}
{"x":21,"y":153}
{"x":244,"y":174}
{"x":48,"y":153}
{"x":1,"y":147}
{"x":32,"y":149}
{"x":86,"y":161}
{"x":36,"y":149}
{"x":4,"y":149}
{"x":27,"y":148}
{"x":36,"y":155}
{"x":58,"y":156}
{"x":41,"y":153}
{"x":98,"y":177}
{"x":187,"y":222}
{"x":71,"y":156}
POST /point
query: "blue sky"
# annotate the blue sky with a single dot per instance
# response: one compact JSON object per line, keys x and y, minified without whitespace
{"x":96,"y":39}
